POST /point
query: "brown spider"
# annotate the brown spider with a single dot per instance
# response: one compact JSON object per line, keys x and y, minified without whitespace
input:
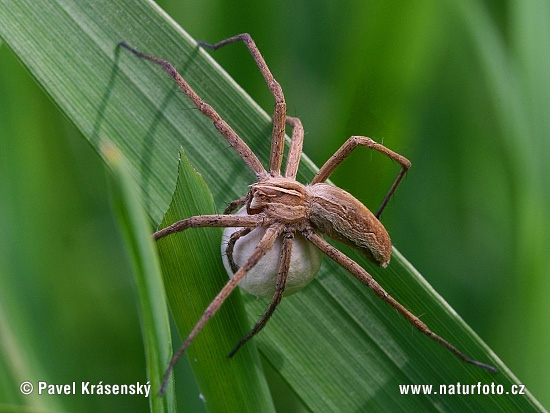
{"x":284,"y":207}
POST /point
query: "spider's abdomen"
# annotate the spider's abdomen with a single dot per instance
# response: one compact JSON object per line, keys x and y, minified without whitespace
{"x":339,"y":215}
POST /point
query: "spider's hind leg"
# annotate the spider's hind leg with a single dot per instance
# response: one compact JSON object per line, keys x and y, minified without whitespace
{"x":284,"y":265}
{"x":362,"y":275}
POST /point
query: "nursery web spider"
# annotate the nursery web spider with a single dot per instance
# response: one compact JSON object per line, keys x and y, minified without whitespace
{"x":285,"y":208}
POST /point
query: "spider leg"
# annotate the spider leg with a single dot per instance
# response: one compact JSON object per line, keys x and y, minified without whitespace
{"x":279,"y":113}
{"x":222,"y":126}
{"x":265,"y":243}
{"x":236,"y":204}
{"x":212,"y":221}
{"x":295,"y":151}
{"x":344,"y":151}
{"x":284,"y":265}
{"x":231,"y":245}
{"x":370,"y":282}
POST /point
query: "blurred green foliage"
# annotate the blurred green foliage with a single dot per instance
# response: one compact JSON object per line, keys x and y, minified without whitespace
{"x":55,"y":255}
{"x":459,"y":88}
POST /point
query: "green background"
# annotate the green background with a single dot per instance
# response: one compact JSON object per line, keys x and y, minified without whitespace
{"x":459,"y":88}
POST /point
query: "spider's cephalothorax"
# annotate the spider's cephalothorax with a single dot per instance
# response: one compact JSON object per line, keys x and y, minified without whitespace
{"x":287,"y":212}
{"x":280,"y":199}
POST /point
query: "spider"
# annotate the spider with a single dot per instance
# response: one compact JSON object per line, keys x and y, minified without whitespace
{"x":284,"y":208}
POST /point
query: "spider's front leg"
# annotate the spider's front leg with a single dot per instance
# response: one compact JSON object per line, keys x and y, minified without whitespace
{"x":296,"y":144}
{"x":242,"y":149}
{"x":236,"y":204}
{"x":211,"y":221}
{"x":279,"y":113}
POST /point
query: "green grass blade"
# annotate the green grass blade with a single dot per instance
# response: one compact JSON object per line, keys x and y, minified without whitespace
{"x":338,"y":347}
{"x":192,"y":280}
{"x":134,"y":224}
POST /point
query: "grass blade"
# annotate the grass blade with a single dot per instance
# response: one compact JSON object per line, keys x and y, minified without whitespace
{"x":134,"y":224}
{"x":192,"y":280}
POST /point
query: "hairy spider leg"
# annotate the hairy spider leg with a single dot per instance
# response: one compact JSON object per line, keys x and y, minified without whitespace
{"x":362,"y":275}
{"x":279,"y":113}
{"x":231,"y":246}
{"x":284,"y":265}
{"x":264,"y":245}
{"x":293,"y":161}
{"x":295,"y":151}
{"x":212,"y":221}
{"x":235,"y":204}
{"x":222,"y":126}
{"x":343,"y":152}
